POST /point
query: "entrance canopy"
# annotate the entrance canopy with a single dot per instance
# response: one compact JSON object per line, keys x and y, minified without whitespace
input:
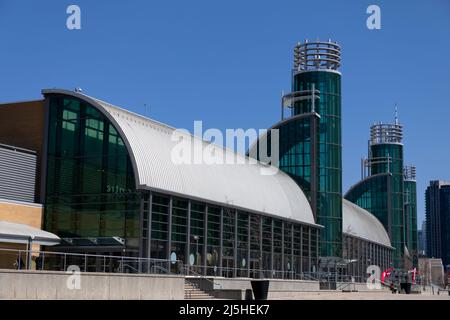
{"x":21,"y":233}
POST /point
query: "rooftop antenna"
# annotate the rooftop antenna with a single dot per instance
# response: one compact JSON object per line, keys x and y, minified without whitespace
{"x":396,"y":114}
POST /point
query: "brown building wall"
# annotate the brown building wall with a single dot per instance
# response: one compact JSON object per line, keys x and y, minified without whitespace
{"x":18,"y":213}
{"x":22,"y":125}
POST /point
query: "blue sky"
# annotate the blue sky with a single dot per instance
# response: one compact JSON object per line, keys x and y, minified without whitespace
{"x":226,"y":63}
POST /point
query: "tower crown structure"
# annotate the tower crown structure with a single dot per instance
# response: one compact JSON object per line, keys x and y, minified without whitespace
{"x":317,"y":55}
{"x":382,"y":133}
{"x":409,"y":172}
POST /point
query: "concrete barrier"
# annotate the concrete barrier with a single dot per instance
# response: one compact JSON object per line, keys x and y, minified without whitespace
{"x":23,"y":284}
{"x":234,"y":288}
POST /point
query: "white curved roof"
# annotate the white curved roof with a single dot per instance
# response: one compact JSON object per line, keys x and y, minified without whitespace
{"x":238,"y":185}
{"x":361,"y":223}
{"x":21,"y":233}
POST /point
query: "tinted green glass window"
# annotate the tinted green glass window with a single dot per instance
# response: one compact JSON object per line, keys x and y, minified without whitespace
{"x":90,"y":180}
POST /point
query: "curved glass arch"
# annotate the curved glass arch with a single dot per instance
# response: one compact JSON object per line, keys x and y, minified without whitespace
{"x":90,"y":186}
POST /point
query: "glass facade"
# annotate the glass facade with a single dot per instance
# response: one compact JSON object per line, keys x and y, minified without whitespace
{"x":437,"y":212}
{"x":394,"y":165}
{"x":411,"y":219}
{"x":372,"y":195}
{"x":221,"y":241}
{"x":296,"y":151}
{"x":91,"y":201}
{"x":328,"y":206}
{"x":361,"y":254}
{"x":383,"y":194}
{"x":90,"y":187}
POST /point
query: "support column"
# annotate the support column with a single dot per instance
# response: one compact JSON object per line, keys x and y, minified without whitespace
{"x":282,"y":249}
{"x":221,"y":243}
{"x":291,"y":269}
{"x":271,"y":250}
{"x":236,"y":263}
{"x":169,"y":227}
{"x":141,"y":227}
{"x":205,"y":240}
{"x":188,"y":236}
{"x":249,"y":221}
{"x":301,"y":250}
{"x":261,"y":245}
{"x":309,"y":249}
{"x":150,"y":210}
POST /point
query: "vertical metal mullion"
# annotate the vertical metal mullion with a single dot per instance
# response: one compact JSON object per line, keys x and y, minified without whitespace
{"x":301,"y":250}
{"x":205,"y":239}
{"x":261,"y":245}
{"x":221,"y":243}
{"x":317,"y":248}
{"x":282,"y":248}
{"x":188,"y":235}
{"x":141,"y":229}
{"x":235,"y":242}
{"x":150,"y":210}
{"x":291,"y":269}
{"x":141,"y":224}
{"x":169,"y":227}
{"x":309,"y":248}
{"x":271,"y":250}
{"x":248,"y":244}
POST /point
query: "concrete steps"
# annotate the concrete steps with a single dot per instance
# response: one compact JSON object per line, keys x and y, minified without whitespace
{"x":193,"y":292}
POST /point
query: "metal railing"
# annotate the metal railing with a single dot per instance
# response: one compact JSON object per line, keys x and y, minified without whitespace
{"x":61,"y":261}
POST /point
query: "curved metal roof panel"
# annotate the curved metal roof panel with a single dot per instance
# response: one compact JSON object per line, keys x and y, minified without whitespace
{"x":359,"y":222}
{"x":151,"y":147}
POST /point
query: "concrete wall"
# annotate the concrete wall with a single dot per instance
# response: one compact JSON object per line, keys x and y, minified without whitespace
{"x":358,"y":286}
{"x":234,"y":288}
{"x":103,"y":286}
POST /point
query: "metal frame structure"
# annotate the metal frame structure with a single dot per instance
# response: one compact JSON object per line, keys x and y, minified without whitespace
{"x":317,"y":55}
{"x":237,"y":270}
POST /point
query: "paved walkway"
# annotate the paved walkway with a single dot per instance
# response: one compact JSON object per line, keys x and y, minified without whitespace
{"x":366,"y":296}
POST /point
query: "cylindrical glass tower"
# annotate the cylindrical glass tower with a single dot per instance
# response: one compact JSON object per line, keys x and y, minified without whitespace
{"x":386,"y":156}
{"x":410,"y":204}
{"x":315,"y":68}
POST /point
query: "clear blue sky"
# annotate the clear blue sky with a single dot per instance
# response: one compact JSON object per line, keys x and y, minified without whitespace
{"x":226,"y":62}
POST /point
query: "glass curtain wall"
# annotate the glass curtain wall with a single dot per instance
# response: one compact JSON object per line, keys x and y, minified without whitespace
{"x":394,"y":154}
{"x":329,"y":147}
{"x":221,"y":241}
{"x":360,"y":254}
{"x":410,"y":189}
{"x":90,"y":187}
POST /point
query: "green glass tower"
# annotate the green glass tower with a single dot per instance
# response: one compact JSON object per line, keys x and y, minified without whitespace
{"x":386,"y":156}
{"x":410,"y":205}
{"x":310,"y":139}
{"x":388,"y":191}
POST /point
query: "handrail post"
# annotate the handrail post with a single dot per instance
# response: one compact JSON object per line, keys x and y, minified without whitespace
{"x":43,"y":260}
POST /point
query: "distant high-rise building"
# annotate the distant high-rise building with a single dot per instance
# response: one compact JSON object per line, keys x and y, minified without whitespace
{"x":437,"y":211}
{"x":422,"y":240}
